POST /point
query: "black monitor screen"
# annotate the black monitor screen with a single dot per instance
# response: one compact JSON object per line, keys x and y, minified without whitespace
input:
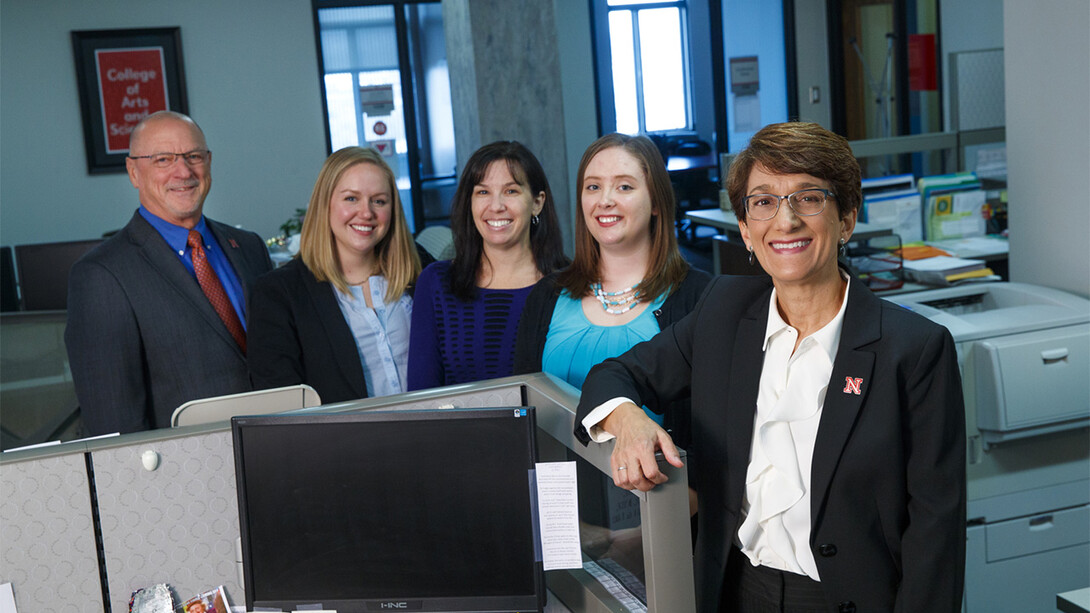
{"x":389,"y":510}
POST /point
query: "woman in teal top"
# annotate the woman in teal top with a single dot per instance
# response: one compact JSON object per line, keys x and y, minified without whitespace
{"x":628,"y":280}
{"x":574,"y":345}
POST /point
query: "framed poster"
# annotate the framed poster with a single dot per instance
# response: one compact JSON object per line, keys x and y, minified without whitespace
{"x":124,"y":76}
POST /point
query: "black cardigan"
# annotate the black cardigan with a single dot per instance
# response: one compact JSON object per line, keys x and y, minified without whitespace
{"x":538,"y":314}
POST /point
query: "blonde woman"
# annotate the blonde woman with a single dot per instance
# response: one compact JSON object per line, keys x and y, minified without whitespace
{"x":337,"y":316}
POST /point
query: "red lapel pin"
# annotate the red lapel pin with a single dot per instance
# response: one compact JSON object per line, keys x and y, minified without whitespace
{"x":234,"y":245}
{"x":853,"y":385}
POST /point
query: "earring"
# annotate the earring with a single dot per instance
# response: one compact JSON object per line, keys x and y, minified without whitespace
{"x":534,"y":220}
{"x":843,"y":248}
{"x":751,"y":256}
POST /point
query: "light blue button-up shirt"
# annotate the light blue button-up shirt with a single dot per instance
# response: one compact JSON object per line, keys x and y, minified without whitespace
{"x":381,"y":333}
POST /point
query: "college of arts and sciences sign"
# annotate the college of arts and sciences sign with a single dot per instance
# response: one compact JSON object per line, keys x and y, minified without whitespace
{"x":132,"y":85}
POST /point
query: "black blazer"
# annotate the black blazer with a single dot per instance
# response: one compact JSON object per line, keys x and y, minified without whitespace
{"x":888,"y":471}
{"x":297,"y":334}
{"x":142,"y":337}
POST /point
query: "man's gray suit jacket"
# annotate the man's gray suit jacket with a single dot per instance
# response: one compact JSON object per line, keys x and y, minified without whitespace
{"x":142,"y":337}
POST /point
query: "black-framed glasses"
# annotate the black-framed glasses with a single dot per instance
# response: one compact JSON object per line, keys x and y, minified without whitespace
{"x":805,"y":202}
{"x":197,"y":157}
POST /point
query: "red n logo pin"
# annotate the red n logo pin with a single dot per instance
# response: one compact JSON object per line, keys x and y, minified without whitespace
{"x":853,"y":385}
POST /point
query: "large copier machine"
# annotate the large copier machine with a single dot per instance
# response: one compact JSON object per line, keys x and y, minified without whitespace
{"x":1024,"y":353}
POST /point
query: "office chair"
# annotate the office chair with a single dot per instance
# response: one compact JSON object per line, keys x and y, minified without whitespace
{"x":260,"y":402}
{"x":43,"y":272}
{"x":9,"y":293}
{"x":437,"y":241}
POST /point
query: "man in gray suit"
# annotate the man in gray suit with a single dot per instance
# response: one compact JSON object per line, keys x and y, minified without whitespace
{"x":156,"y":313}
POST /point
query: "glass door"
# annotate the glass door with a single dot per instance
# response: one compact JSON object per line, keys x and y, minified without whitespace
{"x":387,"y":87}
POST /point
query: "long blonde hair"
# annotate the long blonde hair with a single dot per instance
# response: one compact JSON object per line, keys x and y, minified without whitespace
{"x":395,"y":254}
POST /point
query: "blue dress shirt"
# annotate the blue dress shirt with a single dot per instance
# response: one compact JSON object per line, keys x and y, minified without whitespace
{"x":176,"y":237}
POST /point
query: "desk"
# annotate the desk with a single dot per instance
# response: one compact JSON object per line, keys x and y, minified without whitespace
{"x":1075,"y":601}
{"x":728,"y":223}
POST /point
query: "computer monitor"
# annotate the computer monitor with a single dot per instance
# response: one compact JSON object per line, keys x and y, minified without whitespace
{"x":389,"y":510}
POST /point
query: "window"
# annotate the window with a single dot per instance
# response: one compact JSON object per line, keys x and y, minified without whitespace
{"x":386,"y":86}
{"x":648,"y":44}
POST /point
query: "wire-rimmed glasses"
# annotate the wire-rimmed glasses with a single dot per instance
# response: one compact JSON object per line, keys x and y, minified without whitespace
{"x":805,"y":202}
{"x":164,"y":159}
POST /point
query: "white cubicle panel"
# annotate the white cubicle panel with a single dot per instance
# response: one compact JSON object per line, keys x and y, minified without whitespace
{"x":48,"y":553}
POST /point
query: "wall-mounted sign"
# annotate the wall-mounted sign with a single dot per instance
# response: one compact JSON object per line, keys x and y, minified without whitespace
{"x":377,"y":100}
{"x":124,"y":76}
{"x":744,"y":77}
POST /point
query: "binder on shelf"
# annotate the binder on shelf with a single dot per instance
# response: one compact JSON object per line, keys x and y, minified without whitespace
{"x":894,"y":202}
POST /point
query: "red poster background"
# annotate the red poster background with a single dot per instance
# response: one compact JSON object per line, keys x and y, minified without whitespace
{"x":922,"y":73}
{"x":132,"y":85}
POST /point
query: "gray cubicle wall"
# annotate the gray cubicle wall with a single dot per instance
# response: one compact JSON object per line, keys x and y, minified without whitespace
{"x":47,"y":536}
{"x":178,"y":523}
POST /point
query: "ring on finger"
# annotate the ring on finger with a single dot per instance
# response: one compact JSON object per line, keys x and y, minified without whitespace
{"x":622,"y":468}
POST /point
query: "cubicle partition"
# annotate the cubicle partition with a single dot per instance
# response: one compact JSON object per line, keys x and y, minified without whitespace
{"x":85,"y":523}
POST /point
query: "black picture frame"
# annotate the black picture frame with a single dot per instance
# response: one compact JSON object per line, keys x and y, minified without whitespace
{"x":98,"y":53}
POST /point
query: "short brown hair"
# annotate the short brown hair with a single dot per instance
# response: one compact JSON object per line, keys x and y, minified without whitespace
{"x":396,"y":253}
{"x":798,"y":147}
{"x":667,"y":268}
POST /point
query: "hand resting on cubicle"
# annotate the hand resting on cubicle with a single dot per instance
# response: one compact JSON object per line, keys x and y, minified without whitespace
{"x":638,"y":437}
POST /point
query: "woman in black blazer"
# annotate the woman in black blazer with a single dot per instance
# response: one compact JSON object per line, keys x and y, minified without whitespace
{"x":337,"y":316}
{"x":827,"y":424}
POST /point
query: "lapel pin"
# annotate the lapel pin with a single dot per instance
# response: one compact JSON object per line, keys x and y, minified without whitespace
{"x":234,"y":245}
{"x":853,"y":385}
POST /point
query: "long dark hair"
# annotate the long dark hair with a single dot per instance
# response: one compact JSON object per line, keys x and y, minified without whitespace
{"x":545,"y":241}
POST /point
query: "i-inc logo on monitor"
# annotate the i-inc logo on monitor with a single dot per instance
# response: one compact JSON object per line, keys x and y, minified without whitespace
{"x":395,"y":605}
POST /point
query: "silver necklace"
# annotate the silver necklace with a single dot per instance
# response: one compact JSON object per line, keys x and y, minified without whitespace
{"x":618,"y":302}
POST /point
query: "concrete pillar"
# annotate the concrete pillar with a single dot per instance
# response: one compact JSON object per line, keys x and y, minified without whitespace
{"x":505,"y":84}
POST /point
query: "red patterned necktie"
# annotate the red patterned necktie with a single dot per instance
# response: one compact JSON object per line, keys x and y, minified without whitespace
{"x":213,"y":289}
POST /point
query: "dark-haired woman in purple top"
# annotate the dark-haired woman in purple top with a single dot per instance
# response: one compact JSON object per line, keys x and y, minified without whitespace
{"x":506,"y":237}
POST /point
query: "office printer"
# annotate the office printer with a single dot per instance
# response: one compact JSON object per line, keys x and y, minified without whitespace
{"x":1024,"y":353}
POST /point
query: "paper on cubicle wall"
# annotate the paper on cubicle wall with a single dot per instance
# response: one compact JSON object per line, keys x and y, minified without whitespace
{"x":7,"y":598}
{"x":956,"y":214}
{"x":558,"y":510}
{"x":900,"y":211}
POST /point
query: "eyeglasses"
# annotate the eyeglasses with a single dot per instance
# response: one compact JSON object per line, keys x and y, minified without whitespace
{"x":197,"y":157}
{"x":805,"y":203}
